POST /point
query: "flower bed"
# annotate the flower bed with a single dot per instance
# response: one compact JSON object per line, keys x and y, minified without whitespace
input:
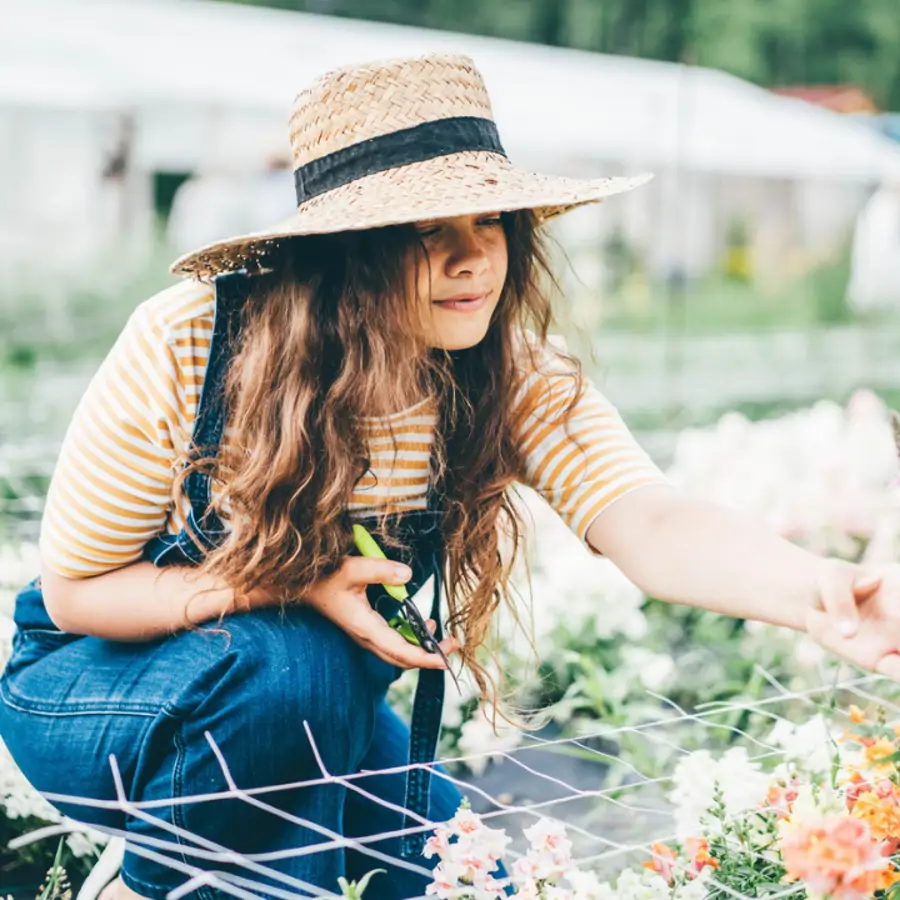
{"x":826,"y":824}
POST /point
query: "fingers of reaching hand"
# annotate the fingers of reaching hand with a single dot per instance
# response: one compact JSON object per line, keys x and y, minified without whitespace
{"x":836,"y":593}
{"x":889,"y":666}
{"x":875,"y":642}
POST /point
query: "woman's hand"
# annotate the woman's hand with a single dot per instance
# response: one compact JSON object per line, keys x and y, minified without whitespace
{"x":857,"y":615}
{"x":342,"y":599}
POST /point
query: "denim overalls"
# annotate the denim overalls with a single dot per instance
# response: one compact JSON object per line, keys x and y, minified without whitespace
{"x":53,"y":675}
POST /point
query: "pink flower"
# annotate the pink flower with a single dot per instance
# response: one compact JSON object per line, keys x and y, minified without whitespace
{"x":465,"y":822}
{"x":528,"y":890}
{"x":446,"y":881}
{"x":468,"y":851}
{"x":547,"y":836}
{"x":836,"y":855}
{"x":438,"y":844}
{"x":528,"y":868}
{"x":551,"y":849}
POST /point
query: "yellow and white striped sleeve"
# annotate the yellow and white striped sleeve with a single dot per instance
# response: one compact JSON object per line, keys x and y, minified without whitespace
{"x":111,"y":489}
{"x":580,"y":460}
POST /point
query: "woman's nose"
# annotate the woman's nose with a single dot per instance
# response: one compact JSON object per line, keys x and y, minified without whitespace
{"x":468,"y":255}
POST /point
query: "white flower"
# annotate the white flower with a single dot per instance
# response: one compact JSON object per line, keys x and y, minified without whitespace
{"x":465,"y":822}
{"x":478,"y":740}
{"x":817,"y":476}
{"x":532,"y":867}
{"x":494,"y":842}
{"x":547,"y":835}
{"x":445,"y":882}
{"x":697,"y":888}
{"x":527,"y":890}
{"x":454,"y":701}
{"x":438,"y":844}
{"x":7,"y":630}
{"x":456,"y":880}
{"x":587,"y":886}
{"x":18,"y":799}
{"x":807,"y":653}
{"x":570,"y":585}
{"x":812,"y":805}
{"x":643,"y":885}
{"x":809,"y":744}
{"x":655,"y":670}
{"x":85,"y":843}
{"x":468,"y":851}
{"x":550,"y":854}
{"x":554,"y":892}
{"x":19,"y":563}
{"x":742,"y":783}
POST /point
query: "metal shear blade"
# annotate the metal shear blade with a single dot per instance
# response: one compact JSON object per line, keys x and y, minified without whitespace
{"x":425,"y":638}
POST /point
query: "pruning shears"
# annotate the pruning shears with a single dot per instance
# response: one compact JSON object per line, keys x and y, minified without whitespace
{"x":408,"y":621}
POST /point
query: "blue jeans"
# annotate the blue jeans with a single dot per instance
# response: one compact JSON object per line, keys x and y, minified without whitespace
{"x":68,"y":703}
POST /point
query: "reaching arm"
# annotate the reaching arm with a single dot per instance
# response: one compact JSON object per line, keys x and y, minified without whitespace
{"x":690,"y":551}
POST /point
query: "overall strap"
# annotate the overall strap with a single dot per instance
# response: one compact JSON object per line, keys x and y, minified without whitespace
{"x":205,"y":529}
{"x":428,"y":705}
{"x":425,"y":731}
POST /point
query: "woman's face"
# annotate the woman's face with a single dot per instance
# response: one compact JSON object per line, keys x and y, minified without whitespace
{"x":460,"y":281}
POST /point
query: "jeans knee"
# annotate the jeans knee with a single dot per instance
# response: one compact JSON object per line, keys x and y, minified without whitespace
{"x":280,"y":671}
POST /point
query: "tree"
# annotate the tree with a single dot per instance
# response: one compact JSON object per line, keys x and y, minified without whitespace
{"x":771,"y":42}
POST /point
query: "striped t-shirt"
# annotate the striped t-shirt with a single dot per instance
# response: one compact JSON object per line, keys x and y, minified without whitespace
{"x":111,"y":491}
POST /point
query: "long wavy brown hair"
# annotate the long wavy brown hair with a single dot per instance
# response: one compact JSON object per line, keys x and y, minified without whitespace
{"x":330,"y":337}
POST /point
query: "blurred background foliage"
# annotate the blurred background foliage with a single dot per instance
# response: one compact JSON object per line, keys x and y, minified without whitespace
{"x":769,"y":42}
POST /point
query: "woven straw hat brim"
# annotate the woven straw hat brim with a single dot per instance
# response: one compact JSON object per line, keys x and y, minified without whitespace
{"x":459,"y":184}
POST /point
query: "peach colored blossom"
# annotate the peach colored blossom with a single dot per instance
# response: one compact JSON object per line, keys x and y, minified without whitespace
{"x":781,"y":797}
{"x":836,"y":855}
{"x":698,"y":851}
{"x":663,"y":862}
{"x":881,"y":812}
{"x":876,"y":755}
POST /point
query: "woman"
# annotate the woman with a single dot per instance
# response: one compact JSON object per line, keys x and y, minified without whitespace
{"x":201,"y":622}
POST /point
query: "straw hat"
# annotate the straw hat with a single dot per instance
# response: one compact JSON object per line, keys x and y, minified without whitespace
{"x":398,"y":141}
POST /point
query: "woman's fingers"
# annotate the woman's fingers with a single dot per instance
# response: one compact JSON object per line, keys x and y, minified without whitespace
{"x":873,"y":648}
{"x":343,"y":600}
{"x":836,"y":584}
{"x":360,"y":571}
{"x":373,"y":633}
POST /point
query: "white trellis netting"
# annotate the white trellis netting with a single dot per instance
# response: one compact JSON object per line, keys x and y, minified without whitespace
{"x":766,"y":804}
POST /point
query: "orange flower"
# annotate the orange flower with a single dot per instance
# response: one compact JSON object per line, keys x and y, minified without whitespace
{"x":838,"y":856}
{"x":857,"y":716}
{"x":876,"y":753}
{"x":663,"y":862}
{"x":698,"y":850}
{"x":781,"y":797}
{"x":881,"y":812}
{"x":856,"y":785}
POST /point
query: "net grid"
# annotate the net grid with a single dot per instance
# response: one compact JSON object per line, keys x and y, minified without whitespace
{"x":188,"y":846}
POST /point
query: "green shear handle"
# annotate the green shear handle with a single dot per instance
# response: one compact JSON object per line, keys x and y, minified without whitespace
{"x":408,"y":621}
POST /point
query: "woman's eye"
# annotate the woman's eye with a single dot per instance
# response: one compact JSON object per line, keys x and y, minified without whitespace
{"x":492,"y":220}
{"x":428,"y":232}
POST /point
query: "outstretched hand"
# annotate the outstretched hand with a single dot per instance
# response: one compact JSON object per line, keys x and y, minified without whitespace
{"x":857,"y":615}
{"x":342,"y":599}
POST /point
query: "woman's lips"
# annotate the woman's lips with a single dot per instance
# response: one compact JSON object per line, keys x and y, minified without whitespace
{"x":467,"y":304}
